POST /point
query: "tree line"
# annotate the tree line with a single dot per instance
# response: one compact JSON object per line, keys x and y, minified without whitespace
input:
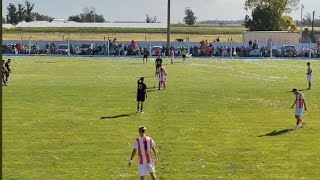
{"x":25,"y":12}
{"x":266,"y":15}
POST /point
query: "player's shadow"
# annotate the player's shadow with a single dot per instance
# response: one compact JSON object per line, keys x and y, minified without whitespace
{"x":117,"y":116}
{"x":277,"y":133}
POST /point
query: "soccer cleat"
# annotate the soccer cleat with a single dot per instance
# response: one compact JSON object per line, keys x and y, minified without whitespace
{"x":303,"y":124}
{"x":138,"y":111}
{"x":141,"y":112}
{"x":297,"y":127}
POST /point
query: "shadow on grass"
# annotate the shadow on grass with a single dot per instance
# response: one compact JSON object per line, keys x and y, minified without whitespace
{"x":277,"y":133}
{"x":118,"y":116}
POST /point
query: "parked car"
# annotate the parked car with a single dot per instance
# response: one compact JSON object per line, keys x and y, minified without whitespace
{"x":62,"y":49}
{"x":86,"y":49}
{"x":255,"y":53}
{"x":288,"y":51}
{"x":156,"y":50}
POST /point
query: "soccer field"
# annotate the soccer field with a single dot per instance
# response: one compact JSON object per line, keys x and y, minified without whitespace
{"x":74,"y":118}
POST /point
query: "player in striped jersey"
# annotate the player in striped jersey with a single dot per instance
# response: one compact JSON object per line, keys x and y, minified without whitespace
{"x":144,"y":145}
{"x":300,"y":106}
{"x":162,"y":76}
{"x":309,"y":75}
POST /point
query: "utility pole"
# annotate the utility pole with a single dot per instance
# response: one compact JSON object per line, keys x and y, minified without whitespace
{"x":312,"y":21}
{"x":168,"y":27}
{"x":301,"y":22}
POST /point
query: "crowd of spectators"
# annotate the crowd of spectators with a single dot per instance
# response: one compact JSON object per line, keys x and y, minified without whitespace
{"x":203,"y":48}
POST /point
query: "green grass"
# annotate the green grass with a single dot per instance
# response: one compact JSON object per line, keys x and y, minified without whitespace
{"x":175,"y":29}
{"x":206,"y":125}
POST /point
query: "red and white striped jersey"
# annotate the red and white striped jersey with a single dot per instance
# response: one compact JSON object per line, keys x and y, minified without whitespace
{"x":162,"y":73}
{"x":144,"y":146}
{"x":300,"y":100}
{"x":309,"y":70}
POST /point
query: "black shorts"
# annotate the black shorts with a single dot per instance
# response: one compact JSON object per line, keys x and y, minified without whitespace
{"x":145,"y":56}
{"x":141,"y":97}
{"x":183,"y":55}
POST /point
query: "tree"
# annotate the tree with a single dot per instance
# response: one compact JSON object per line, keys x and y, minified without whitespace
{"x":151,"y":20}
{"x":267,"y":15}
{"x":88,"y":15}
{"x":263,"y":19}
{"x":284,"y":6}
{"x":41,"y":17}
{"x":21,"y":12}
{"x":190,"y":18}
{"x":3,"y":20}
{"x":75,"y":18}
{"x":28,"y":11}
{"x":287,"y":24}
{"x":12,"y":14}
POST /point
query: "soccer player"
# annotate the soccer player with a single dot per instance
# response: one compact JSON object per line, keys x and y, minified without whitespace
{"x":309,"y":75}
{"x":8,"y":70}
{"x":300,"y":106}
{"x":3,"y":73}
{"x":172,"y":54}
{"x":141,"y":94}
{"x":184,"y":54}
{"x":145,"y":55}
{"x":144,"y":145}
{"x":158,"y":64}
{"x":162,"y":76}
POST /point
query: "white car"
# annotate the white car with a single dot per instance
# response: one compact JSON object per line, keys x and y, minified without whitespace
{"x":156,"y":51}
{"x":63,"y":49}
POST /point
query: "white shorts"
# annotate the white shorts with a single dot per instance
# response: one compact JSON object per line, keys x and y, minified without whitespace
{"x":145,"y":169}
{"x":162,"y":79}
{"x":299,"y":112}
{"x":309,"y":78}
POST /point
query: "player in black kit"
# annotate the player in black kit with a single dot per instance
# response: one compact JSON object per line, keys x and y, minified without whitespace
{"x":141,"y":94}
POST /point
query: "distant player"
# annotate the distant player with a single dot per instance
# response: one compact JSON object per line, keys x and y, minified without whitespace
{"x":162,"y":76}
{"x":145,"y":55}
{"x":145,"y":147}
{"x":309,"y":75}
{"x":3,"y":73}
{"x":300,"y":107}
{"x":158,"y":63}
{"x":183,"y":54}
{"x":8,"y":70}
{"x":171,"y":54}
{"x":141,"y":94}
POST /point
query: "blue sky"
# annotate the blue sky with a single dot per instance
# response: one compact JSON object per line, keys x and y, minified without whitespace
{"x":135,"y":10}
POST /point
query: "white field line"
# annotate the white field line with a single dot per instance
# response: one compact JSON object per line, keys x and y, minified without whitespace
{"x":245,"y":74}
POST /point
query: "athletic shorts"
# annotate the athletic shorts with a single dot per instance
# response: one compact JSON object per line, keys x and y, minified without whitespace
{"x":141,"y":97}
{"x":299,"y":112}
{"x":145,"y":56}
{"x":145,"y":169}
{"x":309,"y":78}
{"x":184,"y":56}
{"x":162,"y":78}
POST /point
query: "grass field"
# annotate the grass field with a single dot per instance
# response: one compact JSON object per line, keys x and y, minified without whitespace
{"x":74,"y":118}
{"x":194,"y":33}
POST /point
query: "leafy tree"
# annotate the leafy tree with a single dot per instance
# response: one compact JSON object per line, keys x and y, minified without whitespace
{"x":28,"y":11}
{"x":287,"y":24}
{"x":75,"y":18}
{"x":263,"y":19}
{"x":88,"y":15}
{"x":3,"y":20}
{"x":21,"y":12}
{"x":284,"y":6}
{"x":190,"y":18}
{"x":41,"y":17}
{"x":267,"y":15}
{"x":12,"y":14}
{"x":151,"y":20}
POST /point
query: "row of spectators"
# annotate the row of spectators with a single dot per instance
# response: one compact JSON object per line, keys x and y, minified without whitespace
{"x":203,"y":48}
